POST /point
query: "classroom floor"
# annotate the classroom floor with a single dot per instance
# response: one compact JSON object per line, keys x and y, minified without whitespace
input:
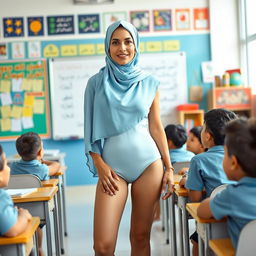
{"x":80,"y":201}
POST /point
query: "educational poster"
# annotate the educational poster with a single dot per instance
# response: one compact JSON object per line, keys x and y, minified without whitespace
{"x":140,"y":19}
{"x":162,"y":20}
{"x":89,"y":23}
{"x":60,"y":25}
{"x":18,"y":50}
{"x":182,"y":18}
{"x":35,"y":26}
{"x":34,"y":49}
{"x":111,"y":17}
{"x":23,"y":98}
{"x":3,"y":51}
{"x":13,"y":27}
{"x":201,"y":19}
{"x":207,"y":71}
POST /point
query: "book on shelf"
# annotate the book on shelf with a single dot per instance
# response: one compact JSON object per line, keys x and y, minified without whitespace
{"x":21,"y":192}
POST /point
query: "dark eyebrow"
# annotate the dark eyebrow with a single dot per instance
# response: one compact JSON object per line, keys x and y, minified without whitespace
{"x":116,"y":39}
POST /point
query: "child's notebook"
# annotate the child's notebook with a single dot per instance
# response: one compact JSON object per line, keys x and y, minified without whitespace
{"x":20,"y":192}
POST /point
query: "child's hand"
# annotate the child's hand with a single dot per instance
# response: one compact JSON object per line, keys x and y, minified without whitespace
{"x":182,"y":182}
{"x":25,"y":213}
{"x":183,"y":171}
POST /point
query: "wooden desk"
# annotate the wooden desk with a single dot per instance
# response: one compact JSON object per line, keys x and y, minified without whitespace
{"x":16,"y":245}
{"x":222,"y":247}
{"x":50,"y":183}
{"x":38,"y":205}
{"x":207,"y":228}
{"x":177,"y":178}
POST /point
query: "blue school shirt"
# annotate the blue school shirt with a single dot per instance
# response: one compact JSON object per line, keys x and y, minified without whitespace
{"x":238,"y":203}
{"x":206,"y":171}
{"x":8,"y":214}
{"x":180,"y":155}
{"x":30,"y":167}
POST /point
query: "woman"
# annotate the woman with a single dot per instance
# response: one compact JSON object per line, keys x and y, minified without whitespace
{"x":125,"y":143}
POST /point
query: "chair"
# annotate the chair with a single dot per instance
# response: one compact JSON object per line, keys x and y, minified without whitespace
{"x":24,"y":181}
{"x":246,"y":243}
{"x":217,"y":190}
{"x":179,"y":165}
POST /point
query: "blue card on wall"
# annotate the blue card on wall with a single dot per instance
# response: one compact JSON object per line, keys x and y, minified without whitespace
{"x":35,"y":26}
{"x":60,"y":25}
{"x":13,"y":27}
{"x":89,"y":23}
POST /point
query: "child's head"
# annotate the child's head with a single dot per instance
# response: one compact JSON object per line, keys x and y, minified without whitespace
{"x":176,"y":135}
{"x":240,"y":149}
{"x":215,"y":121}
{"x":29,"y":146}
{"x":4,"y":169}
{"x":194,"y":143}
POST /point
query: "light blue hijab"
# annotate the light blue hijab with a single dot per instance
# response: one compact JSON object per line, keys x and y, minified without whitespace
{"x":117,"y":98}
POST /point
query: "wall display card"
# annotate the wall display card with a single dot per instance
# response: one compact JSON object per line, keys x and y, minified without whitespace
{"x":111,"y":17}
{"x":207,"y":71}
{"x":182,"y":18}
{"x":35,"y":26}
{"x":60,"y":25}
{"x":196,"y":93}
{"x":201,"y":19}
{"x":13,"y":27}
{"x":34,"y":49}
{"x":162,"y":20}
{"x":3,"y":51}
{"x":89,"y":23}
{"x":18,"y":50}
{"x":140,"y":19}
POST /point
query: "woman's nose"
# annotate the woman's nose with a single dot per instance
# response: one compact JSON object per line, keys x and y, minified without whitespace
{"x":122,"y":46}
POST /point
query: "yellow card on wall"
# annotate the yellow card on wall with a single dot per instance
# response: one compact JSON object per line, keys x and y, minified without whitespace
{"x":68,"y":50}
{"x":5,"y":124}
{"x":29,"y":100}
{"x":87,"y":49}
{"x":154,"y":46}
{"x":16,"y":111}
{"x":6,"y":111}
{"x":142,"y":47}
{"x":171,"y":45}
{"x":38,"y":107}
{"x":27,"y":112}
{"x":5,"y":86}
{"x":51,"y":50}
{"x":100,"y":49}
{"x":37,"y":85}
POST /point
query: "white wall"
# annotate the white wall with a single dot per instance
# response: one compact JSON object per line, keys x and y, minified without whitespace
{"x":224,"y":25}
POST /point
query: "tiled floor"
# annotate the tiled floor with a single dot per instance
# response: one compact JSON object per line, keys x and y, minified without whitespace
{"x":80,"y":201}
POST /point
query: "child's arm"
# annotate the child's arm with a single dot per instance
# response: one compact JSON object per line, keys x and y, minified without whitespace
{"x":204,"y":210}
{"x":183,"y":170}
{"x":194,"y":195}
{"x":23,"y":218}
{"x":53,"y":166}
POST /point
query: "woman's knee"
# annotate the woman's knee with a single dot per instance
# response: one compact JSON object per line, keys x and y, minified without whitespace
{"x":104,"y":248}
{"x":140,"y":237}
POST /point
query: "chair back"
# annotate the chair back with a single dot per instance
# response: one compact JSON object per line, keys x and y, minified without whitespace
{"x":24,"y":181}
{"x":179,"y":165}
{"x":246,"y":242}
{"x":217,"y":190}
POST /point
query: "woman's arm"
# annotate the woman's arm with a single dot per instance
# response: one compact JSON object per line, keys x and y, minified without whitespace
{"x":157,"y":132}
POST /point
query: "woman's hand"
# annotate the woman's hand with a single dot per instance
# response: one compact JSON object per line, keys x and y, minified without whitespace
{"x":107,"y":178}
{"x":167,"y":180}
{"x":182,"y":182}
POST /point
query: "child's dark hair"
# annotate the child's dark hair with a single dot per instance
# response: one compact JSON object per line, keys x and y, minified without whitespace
{"x":215,"y":121}
{"x":241,"y":142}
{"x":28,"y":145}
{"x":197,"y":132}
{"x":1,"y":158}
{"x":177,"y":134}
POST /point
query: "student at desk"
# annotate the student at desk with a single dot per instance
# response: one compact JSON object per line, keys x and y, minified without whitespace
{"x":30,"y":148}
{"x":13,"y":221}
{"x":205,"y":171}
{"x":237,"y":201}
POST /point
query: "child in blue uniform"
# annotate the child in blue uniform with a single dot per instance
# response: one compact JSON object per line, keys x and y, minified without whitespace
{"x":237,"y":201}
{"x":206,"y":171}
{"x":13,"y":221}
{"x":194,"y":143}
{"x":176,"y":138}
{"x":30,"y":148}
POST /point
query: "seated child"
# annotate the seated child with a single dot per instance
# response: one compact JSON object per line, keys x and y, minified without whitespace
{"x":13,"y":221}
{"x":30,"y":148}
{"x":176,"y":139}
{"x":237,"y":201}
{"x":206,"y":171}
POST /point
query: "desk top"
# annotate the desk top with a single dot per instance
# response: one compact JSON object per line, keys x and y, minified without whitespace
{"x":42,"y":194}
{"x":180,"y":191}
{"x":177,"y":178}
{"x":192,"y":209}
{"x":50,"y":183}
{"x":24,"y":237}
{"x":222,"y":247}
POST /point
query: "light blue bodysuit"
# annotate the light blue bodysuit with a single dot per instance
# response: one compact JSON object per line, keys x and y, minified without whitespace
{"x":131,"y":152}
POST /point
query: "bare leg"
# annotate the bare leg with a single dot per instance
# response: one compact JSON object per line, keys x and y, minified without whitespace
{"x":195,"y":249}
{"x":107,"y":215}
{"x":40,"y":241}
{"x":145,"y":195}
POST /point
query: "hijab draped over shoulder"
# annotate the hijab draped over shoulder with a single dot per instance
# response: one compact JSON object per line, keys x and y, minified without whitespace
{"x":117,"y":98}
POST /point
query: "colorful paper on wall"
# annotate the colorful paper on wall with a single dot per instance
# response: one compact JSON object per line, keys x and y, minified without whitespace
{"x":16,"y":111}
{"x":39,"y":106}
{"x":34,"y":49}
{"x":5,"y":86}
{"x":29,"y":101}
{"x":60,"y":25}
{"x":89,"y":23}
{"x":5,"y":124}
{"x":140,"y":19}
{"x":162,"y":20}
{"x":6,"y":111}
{"x":16,"y":84}
{"x":35,"y":26}
{"x":18,"y":50}
{"x":27,"y":122}
{"x":27,"y":111}
{"x":182,"y":18}
{"x":16,"y":125}
{"x":13,"y":27}
{"x":37,"y":85}
{"x":6,"y":99}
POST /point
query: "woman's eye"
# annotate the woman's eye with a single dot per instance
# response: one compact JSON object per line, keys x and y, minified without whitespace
{"x":114,"y":42}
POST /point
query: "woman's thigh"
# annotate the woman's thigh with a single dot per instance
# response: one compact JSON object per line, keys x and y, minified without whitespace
{"x":108,"y":212}
{"x":145,"y":194}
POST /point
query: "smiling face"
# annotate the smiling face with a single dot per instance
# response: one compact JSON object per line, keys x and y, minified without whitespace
{"x":4,"y":173}
{"x":122,"y":49}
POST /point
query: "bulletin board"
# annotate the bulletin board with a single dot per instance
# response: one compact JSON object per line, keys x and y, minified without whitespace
{"x":24,"y":98}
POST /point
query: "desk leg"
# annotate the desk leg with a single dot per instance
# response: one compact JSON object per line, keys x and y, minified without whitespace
{"x":48,"y":228}
{"x":36,"y":244}
{"x":186,"y":232}
{"x":162,"y":213}
{"x":56,"y":227}
{"x":167,"y":224}
{"x":60,"y":213}
{"x":200,"y":246}
{"x":173,"y":225}
{"x":63,"y":184}
{"x":181,"y":228}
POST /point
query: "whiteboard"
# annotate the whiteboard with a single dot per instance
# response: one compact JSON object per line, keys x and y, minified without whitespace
{"x":68,"y":79}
